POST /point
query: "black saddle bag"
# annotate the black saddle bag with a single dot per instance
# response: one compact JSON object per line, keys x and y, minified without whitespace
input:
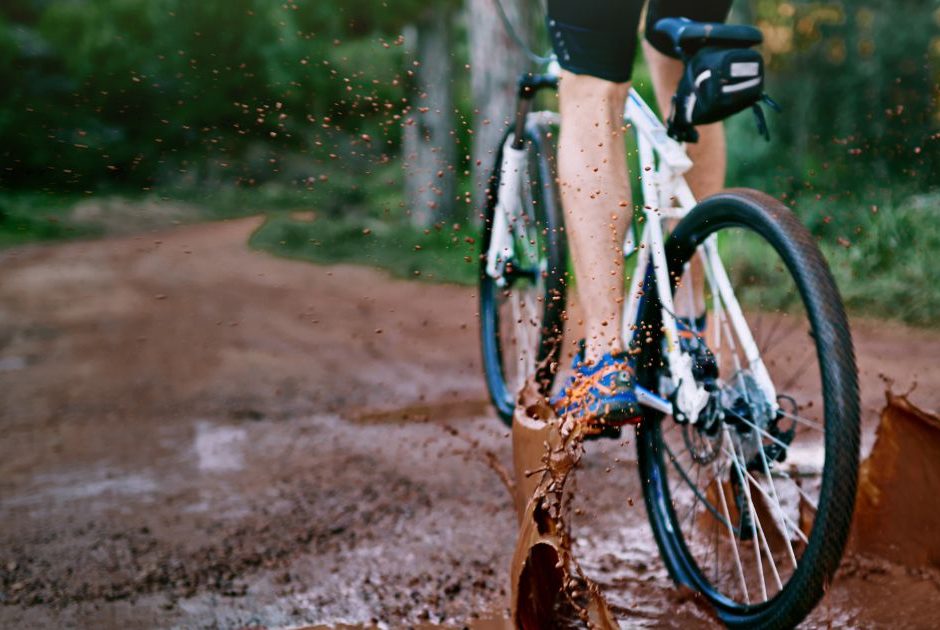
{"x":717,"y":83}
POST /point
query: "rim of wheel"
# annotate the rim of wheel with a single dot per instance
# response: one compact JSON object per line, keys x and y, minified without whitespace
{"x":741,"y":491}
{"x":518,"y":301}
{"x":516,"y":317}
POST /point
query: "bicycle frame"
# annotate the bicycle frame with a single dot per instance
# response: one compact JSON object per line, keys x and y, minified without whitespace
{"x":666,"y":195}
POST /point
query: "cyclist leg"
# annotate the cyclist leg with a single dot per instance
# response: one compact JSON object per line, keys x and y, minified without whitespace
{"x":595,"y":194}
{"x":707,"y":175}
{"x":595,"y":42}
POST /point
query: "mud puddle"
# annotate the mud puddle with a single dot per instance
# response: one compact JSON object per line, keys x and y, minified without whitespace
{"x":422,"y":412}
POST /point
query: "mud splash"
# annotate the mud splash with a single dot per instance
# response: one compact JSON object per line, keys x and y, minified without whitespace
{"x":548,"y":585}
{"x":896,"y":513}
{"x":894,"y":529}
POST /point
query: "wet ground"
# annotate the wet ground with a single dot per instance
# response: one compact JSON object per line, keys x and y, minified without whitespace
{"x":199,"y":435}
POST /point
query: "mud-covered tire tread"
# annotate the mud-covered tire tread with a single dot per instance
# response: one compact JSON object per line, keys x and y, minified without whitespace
{"x":548,"y":212}
{"x":796,"y":246}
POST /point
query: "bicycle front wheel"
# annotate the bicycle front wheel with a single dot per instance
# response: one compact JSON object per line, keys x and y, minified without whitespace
{"x":751,"y":505}
{"x":522,"y":305}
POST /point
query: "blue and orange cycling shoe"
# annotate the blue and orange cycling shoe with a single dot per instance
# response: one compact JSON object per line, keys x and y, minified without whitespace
{"x":601,"y":392}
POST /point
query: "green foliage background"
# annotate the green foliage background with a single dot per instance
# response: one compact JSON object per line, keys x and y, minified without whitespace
{"x":120,"y":93}
{"x":249,"y":105}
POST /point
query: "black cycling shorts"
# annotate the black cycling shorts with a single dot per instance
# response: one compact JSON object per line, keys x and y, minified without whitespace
{"x":598,"y":37}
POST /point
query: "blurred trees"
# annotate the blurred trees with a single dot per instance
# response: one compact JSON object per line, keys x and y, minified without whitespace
{"x":430,"y":148}
{"x":156,"y":93}
{"x":860,"y":84}
{"x":496,"y":62}
{"x":143,"y":92}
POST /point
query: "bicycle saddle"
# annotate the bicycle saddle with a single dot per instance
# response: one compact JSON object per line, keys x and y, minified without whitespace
{"x":688,"y":36}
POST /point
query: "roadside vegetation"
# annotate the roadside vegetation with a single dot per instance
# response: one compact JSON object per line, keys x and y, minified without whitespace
{"x":128,"y":115}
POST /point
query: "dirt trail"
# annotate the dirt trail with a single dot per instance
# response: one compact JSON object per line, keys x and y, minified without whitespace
{"x":197,"y":434}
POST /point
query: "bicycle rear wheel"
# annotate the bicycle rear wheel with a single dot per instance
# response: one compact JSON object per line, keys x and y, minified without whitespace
{"x":752,"y":505}
{"x":521,"y":308}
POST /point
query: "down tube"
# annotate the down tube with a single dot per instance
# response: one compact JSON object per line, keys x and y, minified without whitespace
{"x":634,"y":290}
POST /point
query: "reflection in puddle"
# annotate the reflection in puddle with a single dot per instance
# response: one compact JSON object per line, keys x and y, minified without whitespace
{"x":219,"y":448}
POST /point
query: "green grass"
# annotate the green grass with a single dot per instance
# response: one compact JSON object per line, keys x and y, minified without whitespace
{"x":37,"y":217}
{"x":882,"y":251}
{"x":882,"y":257}
{"x":439,"y":254}
{"x":886,"y":263}
{"x":355,"y":188}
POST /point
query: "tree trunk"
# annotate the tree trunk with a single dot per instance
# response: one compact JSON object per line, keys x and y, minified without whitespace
{"x":429,"y":139}
{"x":496,"y":62}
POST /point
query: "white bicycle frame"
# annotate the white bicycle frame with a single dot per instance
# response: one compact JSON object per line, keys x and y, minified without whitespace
{"x":666,"y":195}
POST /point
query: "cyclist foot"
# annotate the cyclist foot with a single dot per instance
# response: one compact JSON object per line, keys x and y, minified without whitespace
{"x":600,"y":393}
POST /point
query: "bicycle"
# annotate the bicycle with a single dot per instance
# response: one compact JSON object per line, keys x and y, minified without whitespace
{"x":749,"y":446}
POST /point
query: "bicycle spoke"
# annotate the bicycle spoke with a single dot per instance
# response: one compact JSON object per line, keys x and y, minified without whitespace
{"x":773,"y":564}
{"x":734,"y":544}
{"x":756,"y":527}
{"x":809,"y":500}
{"x":766,"y":346}
{"x":796,"y":528}
{"x":790,"y":381}
{"x":676,"y":460}
{"x":757,"y":428}
{"x":695,"y":489}
{"x":812,"y":424}
{"x":776,"y":502}
{"x":691,"y":512}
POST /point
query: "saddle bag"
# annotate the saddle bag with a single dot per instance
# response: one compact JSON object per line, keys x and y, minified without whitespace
{"x":717,"y":82}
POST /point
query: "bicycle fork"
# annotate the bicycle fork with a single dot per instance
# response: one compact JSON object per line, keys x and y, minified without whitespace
{"x":507,"y":202}
{"x":507,"y":211}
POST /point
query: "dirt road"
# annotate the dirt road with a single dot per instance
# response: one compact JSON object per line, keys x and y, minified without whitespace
{"x":196,"y":434}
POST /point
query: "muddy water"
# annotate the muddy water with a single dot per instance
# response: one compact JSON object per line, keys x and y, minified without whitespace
{"x":199,"y":435}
